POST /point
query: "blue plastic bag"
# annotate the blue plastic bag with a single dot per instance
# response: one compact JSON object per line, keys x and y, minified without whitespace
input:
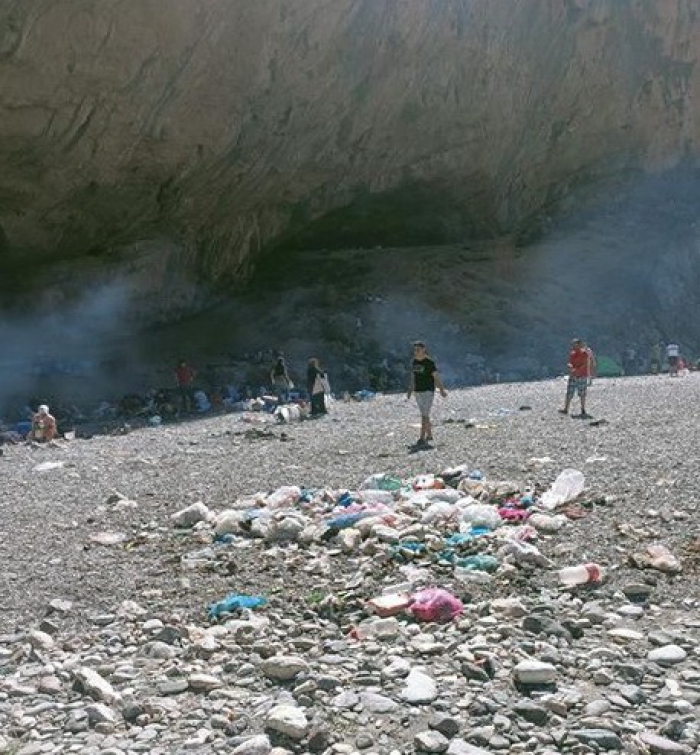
{"x":234,"y":602}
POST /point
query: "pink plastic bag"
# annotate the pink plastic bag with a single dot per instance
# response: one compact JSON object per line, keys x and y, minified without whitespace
{"x":435,"y":604}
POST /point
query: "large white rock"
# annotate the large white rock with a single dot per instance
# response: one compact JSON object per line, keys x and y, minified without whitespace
{"x":95,"y":686}
{"x":431,"y":741}
{"x":283,"y":668}
{"x":534,"y":672}
{"x":668,"y":655}
{"x":419,"y":688}
{"x":288,"y":720}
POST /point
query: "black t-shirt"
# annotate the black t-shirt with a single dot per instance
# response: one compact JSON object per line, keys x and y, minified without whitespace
{"x":424,"y":375}
{"x":279,"y":370}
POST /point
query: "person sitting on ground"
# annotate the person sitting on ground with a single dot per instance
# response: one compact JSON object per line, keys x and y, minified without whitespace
{"x":281,"y":383}
{"x":425,"y":378}
{"x":43,"y":426}
{"x":316,"y":386}
{"x":580,"y":366}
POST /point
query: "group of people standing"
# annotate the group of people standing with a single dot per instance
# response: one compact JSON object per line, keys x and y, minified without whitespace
{"x":317,"y":385}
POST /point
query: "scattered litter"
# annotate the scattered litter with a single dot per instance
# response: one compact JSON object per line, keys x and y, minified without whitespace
{"x":435,"y":604}
{"x":566,"y":487}
{"x":48,"y":466}
{"x":657,"y":557}
{"x":234,"y":602}
{"x":583,"y":574}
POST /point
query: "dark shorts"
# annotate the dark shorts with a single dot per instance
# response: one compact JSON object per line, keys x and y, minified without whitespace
{"x":673,"y":361}
{"x":576,"y":385}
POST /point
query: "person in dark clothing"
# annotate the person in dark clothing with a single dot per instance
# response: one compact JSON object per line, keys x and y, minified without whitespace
{"x":425,"y":378}
{"x":316,"y":386}
{"x":279,"y":377}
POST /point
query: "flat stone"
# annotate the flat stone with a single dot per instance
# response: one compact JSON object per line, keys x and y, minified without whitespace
{"x":637,"y":591}
{"x":445,"y":725}
{"x":601,"y":738}
{"x":624,"y":634}
{"x":534,"y":672}
{"x":419,"y":688}
{"x":257,"y":745}
{"x":430,"y":741}
{"x":173,"y":686}
{"x":50,"y":685}
{"x":100,"y":713}
{"x":532,"y":712}
{"x":538,"y":623}
{"x":284,"y":668}
{"x":633,"y":694}
{"x":95,"y":686}
{"x":667,"y":655}
{"x":288,"y":720}
{"x":203,"y":682}
{"x":345,"y":700}
{"x":597,"y":708}
{"x":397,"y":669}
{"x":375,"y":703}
{"x":460,"y":747}
{"x":659,"y":745}
{"x":58,"y":605}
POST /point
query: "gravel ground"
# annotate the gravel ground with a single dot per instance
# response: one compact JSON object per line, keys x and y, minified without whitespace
{"x":641,"y":466}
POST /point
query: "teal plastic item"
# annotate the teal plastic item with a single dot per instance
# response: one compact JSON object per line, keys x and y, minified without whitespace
{"x":480,"y":562}
{"x":233,"y":603}
{"x":387,"y":483}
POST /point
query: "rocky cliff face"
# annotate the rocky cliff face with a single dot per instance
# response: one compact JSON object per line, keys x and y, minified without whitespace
{"x":176,"y":140}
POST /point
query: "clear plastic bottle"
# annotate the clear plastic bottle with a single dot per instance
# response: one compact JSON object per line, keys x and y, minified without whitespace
{"x":583,"y":574}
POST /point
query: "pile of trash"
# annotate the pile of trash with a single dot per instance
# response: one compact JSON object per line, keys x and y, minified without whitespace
{"x":455,"y":525}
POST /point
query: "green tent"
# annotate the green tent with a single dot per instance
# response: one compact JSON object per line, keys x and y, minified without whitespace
{"x":608,"y":367}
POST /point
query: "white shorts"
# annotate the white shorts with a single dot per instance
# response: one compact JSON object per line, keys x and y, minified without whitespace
{"x":424,"y":399}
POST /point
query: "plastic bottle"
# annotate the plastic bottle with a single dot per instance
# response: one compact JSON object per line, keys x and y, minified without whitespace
{"x":583,"y":574}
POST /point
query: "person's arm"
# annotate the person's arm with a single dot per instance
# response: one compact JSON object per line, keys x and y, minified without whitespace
{"x":411,"y":385}
{"x":438,"y":384}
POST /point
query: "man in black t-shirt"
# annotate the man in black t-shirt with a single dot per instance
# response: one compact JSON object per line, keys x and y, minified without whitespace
{"x":425,"y":378}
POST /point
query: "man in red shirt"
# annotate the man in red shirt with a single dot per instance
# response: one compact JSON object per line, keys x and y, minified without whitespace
{"x":580,"y":373}
{"x":184,"y":376}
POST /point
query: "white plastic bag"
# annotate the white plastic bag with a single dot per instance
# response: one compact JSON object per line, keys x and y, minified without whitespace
{"x":481,"y":515}
{"x":566,"y":487}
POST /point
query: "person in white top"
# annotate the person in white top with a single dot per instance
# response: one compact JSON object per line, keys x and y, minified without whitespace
{"x":673,"y":353}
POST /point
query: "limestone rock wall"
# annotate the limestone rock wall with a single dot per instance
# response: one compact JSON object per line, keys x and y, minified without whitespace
{"x":209,"y":129}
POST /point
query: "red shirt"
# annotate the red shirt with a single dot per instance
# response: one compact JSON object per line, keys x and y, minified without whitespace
{"x":579,"y":362}
{"x":184,"y":375}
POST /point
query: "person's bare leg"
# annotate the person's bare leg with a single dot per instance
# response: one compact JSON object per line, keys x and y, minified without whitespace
{"x":424,"y":428}
{"x":428,"y":429}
